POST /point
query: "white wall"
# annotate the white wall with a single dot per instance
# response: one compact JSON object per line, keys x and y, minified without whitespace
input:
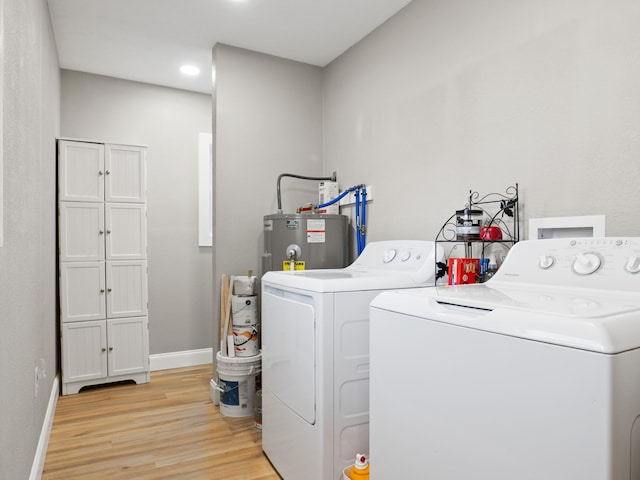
{"x":449,"y":96}
{"x":267,"y":121}
{"x":31,"y":100}
{"x":168,"y":121}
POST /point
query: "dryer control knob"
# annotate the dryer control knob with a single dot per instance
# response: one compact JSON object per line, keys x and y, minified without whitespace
{"x":388,"y":255}
{"x":633,"y":264}
{"x":404,"y":256}
{"x":586,"y":263}
{"x":546,"y":261}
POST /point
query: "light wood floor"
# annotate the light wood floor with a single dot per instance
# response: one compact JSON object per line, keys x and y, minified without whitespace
{"x":166,"y":429}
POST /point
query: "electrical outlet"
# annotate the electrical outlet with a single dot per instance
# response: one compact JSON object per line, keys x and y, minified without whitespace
{"x":39,"y":372}
{"x":42,"y":369}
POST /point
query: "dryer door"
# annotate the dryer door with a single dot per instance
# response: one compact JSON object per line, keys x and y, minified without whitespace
{"x":288,"y":350}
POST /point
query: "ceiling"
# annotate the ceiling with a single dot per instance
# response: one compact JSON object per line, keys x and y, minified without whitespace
{"x":148,"y":40}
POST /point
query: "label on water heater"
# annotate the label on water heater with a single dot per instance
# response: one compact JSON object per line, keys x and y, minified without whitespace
{"x":298,"y":265}
{"x":293,"y":224}
{"x":316,"y":231}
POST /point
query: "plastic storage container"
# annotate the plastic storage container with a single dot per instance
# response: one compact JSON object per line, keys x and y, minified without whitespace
{"x":468,"y":224}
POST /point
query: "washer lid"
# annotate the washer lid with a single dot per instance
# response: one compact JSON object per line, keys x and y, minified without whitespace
{"x":579,"y":318}
{"x":581,"y":303}
{"x":329,"y":281}
{"x":382,"y":265}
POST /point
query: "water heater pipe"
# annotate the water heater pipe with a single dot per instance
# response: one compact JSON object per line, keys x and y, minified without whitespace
{"x":303,"y":177}
{"x":361,"y":212}
{"x":338,"y":198}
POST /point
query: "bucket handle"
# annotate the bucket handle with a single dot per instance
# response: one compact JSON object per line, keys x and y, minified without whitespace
{"x":222,"y":390}
{"x":252,"y":371}
{"x":216,"y":386}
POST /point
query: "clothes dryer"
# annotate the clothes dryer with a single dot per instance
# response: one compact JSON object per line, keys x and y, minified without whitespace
{"x":533,"y":375}
{"x":315,"y":356}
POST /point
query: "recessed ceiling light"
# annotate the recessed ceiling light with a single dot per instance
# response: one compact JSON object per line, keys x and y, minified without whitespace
{"x":190,"y":70}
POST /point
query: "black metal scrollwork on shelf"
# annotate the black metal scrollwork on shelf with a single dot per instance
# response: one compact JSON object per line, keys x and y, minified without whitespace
{"x":497,"y":209}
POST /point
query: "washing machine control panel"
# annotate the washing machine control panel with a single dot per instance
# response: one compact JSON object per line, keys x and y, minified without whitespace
{"x":402,"y":255}
{"x":405,"y":256}
{"x":633,"y":264}
{"x":547,"y":261}
{"x":604,"y":263}
{"x":389,"y":255}
{"x":586,"y":263}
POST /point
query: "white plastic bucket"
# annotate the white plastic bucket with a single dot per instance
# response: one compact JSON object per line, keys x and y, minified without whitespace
{"x":346,"y":472}
{"x":237,"y":379}
{"x":245,"y":340}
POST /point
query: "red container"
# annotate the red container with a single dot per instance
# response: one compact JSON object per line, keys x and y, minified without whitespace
{"x":463,"y":270}
{"x":491,"y":233}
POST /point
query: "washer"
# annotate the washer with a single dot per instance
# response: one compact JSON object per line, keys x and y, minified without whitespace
{"x":533,"y":375}
{"x":315,"y":356}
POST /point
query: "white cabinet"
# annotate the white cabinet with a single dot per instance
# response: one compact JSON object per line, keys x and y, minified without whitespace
{"x":126,"y":288}
{"x":100,"y":290}
{"x":99,"y":231}
{"x":96,"y":350}
{"x":96,"y":172}
{"x":81,"y":226}
{"x":80,"y":171}
{"x":125,"y":174}
{"x":102,"y":224}
{"x":125,"y":231}
{"x":85,"y":351}
{"x":82,"y":291}
{"x":127,"y":344}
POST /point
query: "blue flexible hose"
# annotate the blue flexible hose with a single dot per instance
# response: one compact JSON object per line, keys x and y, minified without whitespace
{"x":358,"y":229}
{"x":361,"y":212}
{"x":363,"y":218}
{"x":337,"y":199}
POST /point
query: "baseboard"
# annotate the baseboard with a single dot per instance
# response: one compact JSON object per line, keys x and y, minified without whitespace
{"x":188,"y":358}
{"x":43,"y":442}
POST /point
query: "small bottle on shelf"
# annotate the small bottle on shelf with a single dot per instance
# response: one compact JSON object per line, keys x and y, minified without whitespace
{"x":492,"y":268}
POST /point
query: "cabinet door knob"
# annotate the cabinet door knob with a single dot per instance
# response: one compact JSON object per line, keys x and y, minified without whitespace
{"x":104,"y":349}
{"x":102,"y":290}
{"x":108,"y":231}
{"x":108,"y":172}
{"x":100,"y":172}
{"x":111,"y":349}
{"x":108,"y":289}
{"x":101,"y":232}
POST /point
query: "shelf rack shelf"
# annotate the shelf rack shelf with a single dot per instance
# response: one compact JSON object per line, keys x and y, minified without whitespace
{"x":494,"y":207}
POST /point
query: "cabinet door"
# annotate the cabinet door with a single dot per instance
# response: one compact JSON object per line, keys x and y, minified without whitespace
{"x":126,"y":231}
{"x":84,"y":351}
{"x":82,"y":295}
{"x":128,"y":345}
{"x":127,"y":289}
{"x":126,"y":174}
{"x":80,"y":171}
{"x":81,"y":231}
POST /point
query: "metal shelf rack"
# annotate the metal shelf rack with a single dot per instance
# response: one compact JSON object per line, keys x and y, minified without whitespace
{"x":495,"y":207}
